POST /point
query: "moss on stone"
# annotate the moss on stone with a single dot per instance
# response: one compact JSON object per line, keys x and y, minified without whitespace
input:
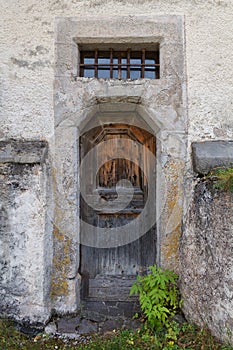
{"x":61,"y":264}
{"x":223,"y":178}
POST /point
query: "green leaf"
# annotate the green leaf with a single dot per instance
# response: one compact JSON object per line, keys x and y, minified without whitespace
{"x":158,"y":295}
{"x":134,"y":289}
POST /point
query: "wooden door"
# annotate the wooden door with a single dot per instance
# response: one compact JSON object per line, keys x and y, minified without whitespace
{"x":108,"y":273}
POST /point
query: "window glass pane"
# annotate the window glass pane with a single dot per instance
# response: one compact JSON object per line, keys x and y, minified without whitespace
{"x":135,"y":61}
{"x":89,"y":73}
{"x":89,"y":60}
{"x":135,"y":73}
{"x":149,"y":74}
{"x":124,"y":73}
{"x":149,"y":61}
{"x":115,"y":73}
{"x":124,"y":68}
{"x":115,"y":68}
{"x":103,"y":60}
{"x":104,"y":72}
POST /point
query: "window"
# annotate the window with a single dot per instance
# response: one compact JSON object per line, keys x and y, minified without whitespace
{"x":119,"y":64}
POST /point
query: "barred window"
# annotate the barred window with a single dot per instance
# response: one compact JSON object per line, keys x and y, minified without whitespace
{"x":118,"y":64}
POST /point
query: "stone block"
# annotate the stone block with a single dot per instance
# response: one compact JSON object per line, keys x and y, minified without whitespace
{"x":110,"y":325}
{"x":208,"y":155}
{"x":93,"y":316}
{"x":206,"y":260}
{"x":24,"y":152}
{"x":132,"y":324}
{"x":51,"y":328}
{"x":87,"y":327}
{"x":24,"y":232}
{"x":68,"y":325}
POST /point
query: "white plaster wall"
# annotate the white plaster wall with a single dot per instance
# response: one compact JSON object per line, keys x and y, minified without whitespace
{"x":27,"y":60}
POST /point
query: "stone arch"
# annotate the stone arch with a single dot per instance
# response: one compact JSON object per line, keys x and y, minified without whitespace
{"x":170,"y":150}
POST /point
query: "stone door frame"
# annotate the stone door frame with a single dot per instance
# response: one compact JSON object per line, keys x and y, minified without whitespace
{"x":158,"y":105}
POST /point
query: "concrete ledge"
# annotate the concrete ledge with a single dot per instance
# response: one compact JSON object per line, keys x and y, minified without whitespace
{"x":211,"y":154}
{"x":24,"y":152}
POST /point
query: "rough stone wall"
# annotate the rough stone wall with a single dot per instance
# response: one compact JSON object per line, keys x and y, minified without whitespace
{"x":25,"y":244}
{"x":206,"y":257}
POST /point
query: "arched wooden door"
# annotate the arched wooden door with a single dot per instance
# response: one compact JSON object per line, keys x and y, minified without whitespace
{"x":108,"y":273}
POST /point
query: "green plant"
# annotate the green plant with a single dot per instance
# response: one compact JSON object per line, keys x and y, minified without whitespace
{"x":159,"y":296}
{"x":173,"y":331}
{"x":223,"y":178}
{"x":172,"y":337}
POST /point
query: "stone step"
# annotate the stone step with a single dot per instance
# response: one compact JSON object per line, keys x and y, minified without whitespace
{"x":108,"y":309}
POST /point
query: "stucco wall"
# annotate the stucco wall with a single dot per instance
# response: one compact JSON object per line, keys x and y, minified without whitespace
{"x":27,"y":59}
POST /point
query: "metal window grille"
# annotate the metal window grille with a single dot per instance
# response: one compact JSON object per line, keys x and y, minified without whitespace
{"x":127,"y":64}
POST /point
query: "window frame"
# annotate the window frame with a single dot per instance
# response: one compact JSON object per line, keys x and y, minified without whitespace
{"x":124,"y":63}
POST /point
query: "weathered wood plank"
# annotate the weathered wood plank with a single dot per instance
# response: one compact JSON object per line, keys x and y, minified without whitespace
{"x":115,"y":287}
{"x":106,"y":271}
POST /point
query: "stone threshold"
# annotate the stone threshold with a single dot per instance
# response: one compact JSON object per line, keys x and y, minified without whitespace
{"x":74,"y":327}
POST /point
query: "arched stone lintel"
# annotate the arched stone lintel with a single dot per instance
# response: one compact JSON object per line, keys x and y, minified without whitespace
{"x":170,"y":156}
